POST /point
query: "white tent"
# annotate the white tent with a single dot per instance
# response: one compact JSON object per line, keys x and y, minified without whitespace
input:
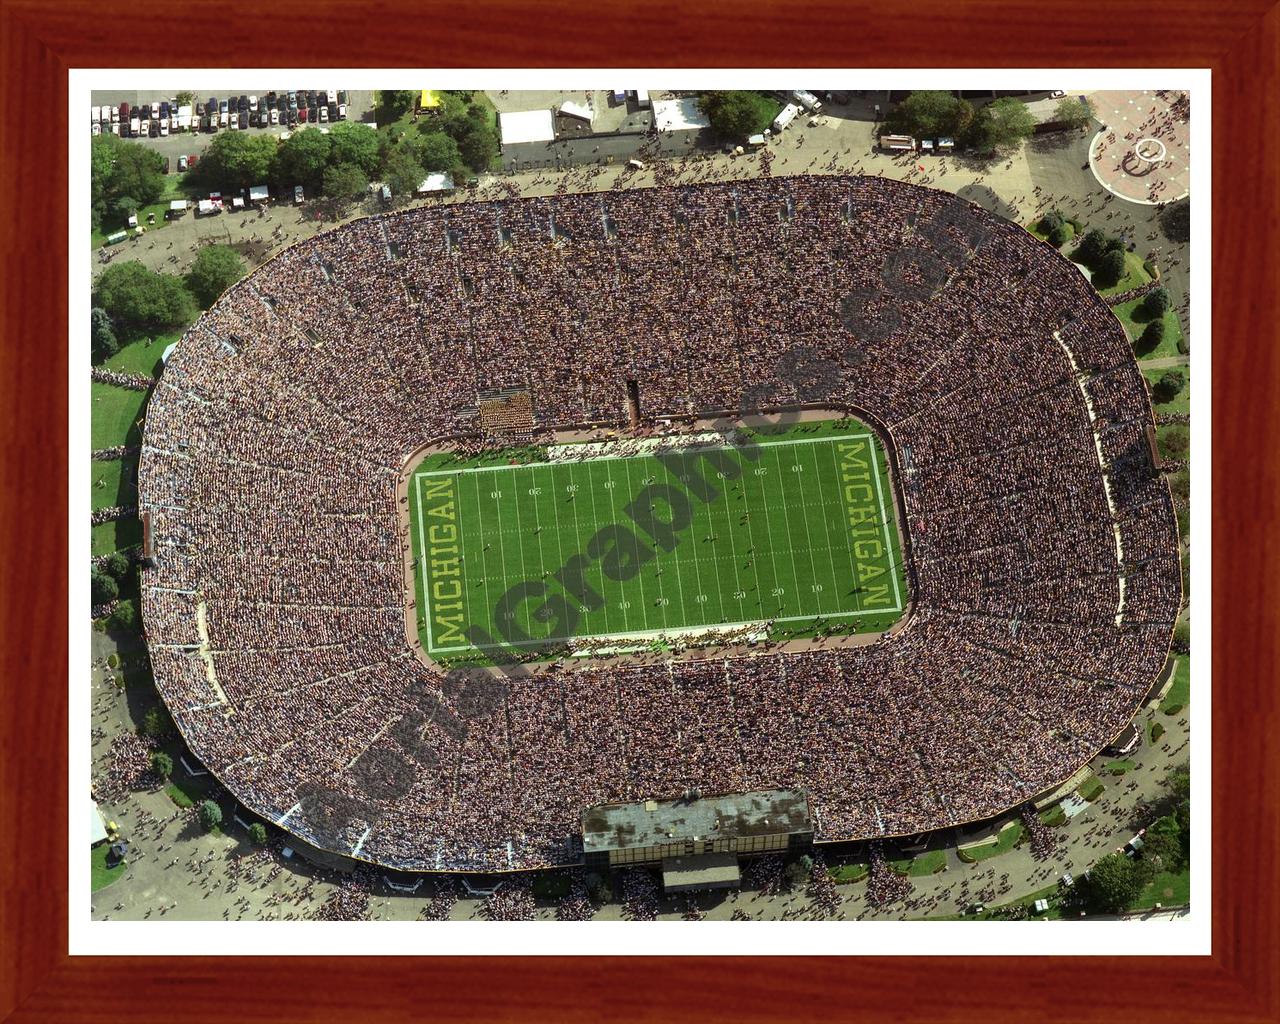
{"x":576,"y":110}
{"x":258,"y":193}
{"x":679,"y":115}
{"x":97,"y":827}
{"x":437,"y":183}
{"x":527,"y":126}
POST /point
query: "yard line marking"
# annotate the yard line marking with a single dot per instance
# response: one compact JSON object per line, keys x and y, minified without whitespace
{"x":422,"y":549}
{"x":786,"y":520}
{"x":822,"y":514}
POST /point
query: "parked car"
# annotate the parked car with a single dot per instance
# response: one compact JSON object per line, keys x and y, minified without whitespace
{"x":324,"y":114}
{"x":222,"y":117}
{"x":297,"y":193}
{"x":164,"y":127}
{"x":134,"y":125}
{"x":342,"y":97}
{"x":155,"y":110}
{"x":182,"y":162}
{"x":244,"y":120}
{"x":154,"y":128}
{"x":222,"y":106}
{"x":333,"y":111}
{"x":253,"y":102}
{"x":212,"y":105}
{"x":342,"y":111}
{"x":115,"y":113}
{"x":124,"y":112}
{"x":164,"y":108}
{"x":275,"y":116}
{"x":166,"y":165}
{"x":96,"y":127}
{"x":244,"y":103}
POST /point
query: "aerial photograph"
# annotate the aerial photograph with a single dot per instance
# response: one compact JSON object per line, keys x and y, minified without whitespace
{"x":632,"y":505}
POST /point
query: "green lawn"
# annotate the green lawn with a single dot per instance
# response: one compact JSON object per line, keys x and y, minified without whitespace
{"x":1053,"y":816}
{"x":1179,"y":695}
{"x":1181,"y":402}
{"x":844,"y":873}
{"x":1117,"y":767}
{"x":116,"y":536}
{"x":107,"y":483}
{"x":1091,"y":788}
{"x":798,"y":532}
{"x":102,"y":875}
{"x":1034,"y":228}
{"x":1168,"y":888}
{"x":1135,"y":321}
{"x":1003,"y":843}
{"x":929,"y":863}
{"x":114,"y":415}
{"x":141,"y":357}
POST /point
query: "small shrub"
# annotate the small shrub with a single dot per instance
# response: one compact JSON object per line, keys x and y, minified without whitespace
{"x":258,"y":833}
{"x":1171,"y":709}
{"x":1157,"y":731}
{"x":113,"y":660}
{"x":162,"y":764}
{"x":210,"y":815}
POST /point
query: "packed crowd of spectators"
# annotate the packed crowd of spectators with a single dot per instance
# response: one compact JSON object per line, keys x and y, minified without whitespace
{"x":1043,"y":567}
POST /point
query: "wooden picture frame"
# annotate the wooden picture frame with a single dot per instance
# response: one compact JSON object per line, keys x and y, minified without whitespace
{"x":39,"y":981}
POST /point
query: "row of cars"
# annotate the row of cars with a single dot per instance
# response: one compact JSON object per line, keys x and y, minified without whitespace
{"x":165,"y":117}
{"x":303,"y":106}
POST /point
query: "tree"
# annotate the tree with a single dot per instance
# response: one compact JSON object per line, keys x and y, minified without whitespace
{"x":799,"y":870}
{"x":1074,"y":111}
{"x":1002,"y":124}
{"x":116,"y":565}
{"x":930,"y":113}
{"x":435,"y":151}
{"x":392,"y":105}
{"x":102,"y":337}
{"x":345,"y":181}
{"x":142,"y":302}
{"x":1110,"y":268}
{"x":210,"y":815}
{"x":104,"y":588}
{"x":124,"y":176}
{"x":1091,"y":247}
{"x":215,"y":269}
{"x":353,"y":142}
{"x":403,"y":173}
{"x":736,"y":114}
{"x":1176,"y":442}
{"x":186,"y":99}
{"x":1151,"y":336}
{"x":1114,"y":883}
{"x":1156,"y":302}
{"x":303,"y":158}
{"x":236,"y":160}
{"x":1182,"y":634}
{"x":162,"y":764}
{"x":1162,"y":848}
{"x":258,"y":833}
{"x":476,"y":136}
{"x":1059,"y":236}
{"x":1169,"y":385}
{"x":1175,"y":221}
{"x":124,"y":617}
{"x":156,"y":723}
{"x":1050,"y":222}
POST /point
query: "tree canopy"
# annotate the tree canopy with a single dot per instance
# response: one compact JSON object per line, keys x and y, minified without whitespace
{"x":471,"y":126}
{"x":210,"y":815}
{"x":1002,"y":124}
{"x":345,"y":181}
{"x":930,"y":113}
{"x":1110,"y":269}
{"x":736,"y":114}
{"x":1166,"y":389}
{"x":353,"y":142}
{"x":391,"y":105}
{"x":435,"y":151}
{"x":102,"y":338}
{"x":1151,"y":336}
{"x":1114,"y":883}
{"x":123,"y":177}
{"x":403,"y":172}
{"x":235,"y":161}
{"x":1156,"y":302}
{"x":162,"y":764}
{"x":103,"y":588}
{"x":215,"y":269}
{"x":302,"y":158}
{"x":1075,"y":111}
{"x":141,"y":302}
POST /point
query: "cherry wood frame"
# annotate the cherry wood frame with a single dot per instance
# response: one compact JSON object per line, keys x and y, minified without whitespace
{"x":1239,"y":41}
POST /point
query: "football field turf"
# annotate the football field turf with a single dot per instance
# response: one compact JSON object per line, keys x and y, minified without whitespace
{"x":533,"y":549}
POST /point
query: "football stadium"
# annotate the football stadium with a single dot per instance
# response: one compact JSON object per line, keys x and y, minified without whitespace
{"x":833,"y":493}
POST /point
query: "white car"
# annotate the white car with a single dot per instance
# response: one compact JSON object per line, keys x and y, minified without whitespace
{"x":97,"y":115}
{"x":97,"y":128}
{"x":253,"y":102}
{"x":324,"y":113}
{"x":275,"y":116}
{"x":164,"y":128}
{"x":135,"y":123}
{"x":342,"y":111}
{"x":155,"y":110}
{"x":222,"y":119}
{"x":297,"y":194}
{"x":182,"y":162}
{"x":115,"y":113}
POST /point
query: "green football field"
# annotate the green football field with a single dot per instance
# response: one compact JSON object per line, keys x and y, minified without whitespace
{"x":530,"y":550}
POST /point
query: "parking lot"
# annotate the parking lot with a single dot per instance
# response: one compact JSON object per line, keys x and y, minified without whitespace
{"x":359,"y":108}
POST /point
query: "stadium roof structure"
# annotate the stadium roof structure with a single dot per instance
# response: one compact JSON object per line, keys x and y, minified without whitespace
{"x":727,"y":816}
{"x":519,"y":126}
{"x":679,"y":115}
{"x":1041,"y":546}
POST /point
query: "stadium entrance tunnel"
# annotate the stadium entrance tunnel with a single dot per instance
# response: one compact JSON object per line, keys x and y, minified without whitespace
{"x":780,"y":527}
